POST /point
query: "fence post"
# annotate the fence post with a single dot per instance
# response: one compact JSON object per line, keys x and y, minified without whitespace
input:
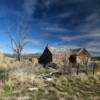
{"x":77,"y":69}
{"x":93,"y":68}
{"x":86,"y":69}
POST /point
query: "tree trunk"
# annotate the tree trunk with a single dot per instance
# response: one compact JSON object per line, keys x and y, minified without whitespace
{"x":18,"y":56}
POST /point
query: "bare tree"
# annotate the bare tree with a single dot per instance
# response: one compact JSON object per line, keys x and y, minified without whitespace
{"x":18,"y":41}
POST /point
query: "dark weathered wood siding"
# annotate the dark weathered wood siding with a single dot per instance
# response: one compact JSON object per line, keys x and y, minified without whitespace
{"x":46,"y":57}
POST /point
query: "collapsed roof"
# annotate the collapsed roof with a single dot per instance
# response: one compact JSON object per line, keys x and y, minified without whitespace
{"x":66,"y":51}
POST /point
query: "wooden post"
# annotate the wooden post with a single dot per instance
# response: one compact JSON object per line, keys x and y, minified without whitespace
{"x":86,"y":69}
{"x":71,"y":68}
{"x":77,"y":69}
{"x":93,"y":68}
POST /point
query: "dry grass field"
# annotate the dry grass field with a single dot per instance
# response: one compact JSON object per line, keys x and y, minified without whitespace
{"x":25,"y":81}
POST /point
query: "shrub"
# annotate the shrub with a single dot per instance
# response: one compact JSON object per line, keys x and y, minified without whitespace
{"x":4,"y":74}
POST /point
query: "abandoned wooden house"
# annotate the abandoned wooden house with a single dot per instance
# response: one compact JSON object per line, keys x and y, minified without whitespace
{"x":64,"y":55}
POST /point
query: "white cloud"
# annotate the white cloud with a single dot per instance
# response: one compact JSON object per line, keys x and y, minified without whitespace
{"x":54,"y":29}
{"x":29,"y":6}
{"x":70,"y":38}
{"x":93,"y":50}
{"x":70,"y":46}
{"x":33,"y":46}
{"x":64,"y":15}
{"x":46,"y":3}
{"x":93,"y":43}
{"x":34,"y":41}
{"x":93,"y":46}
{"x":90,"y":24}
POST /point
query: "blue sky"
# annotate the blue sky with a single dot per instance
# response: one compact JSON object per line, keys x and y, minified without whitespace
{"x":68,"y":23}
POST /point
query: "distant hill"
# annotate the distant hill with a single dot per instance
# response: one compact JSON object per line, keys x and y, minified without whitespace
{"x":96,"y":58}
{"x":37,"y":55}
